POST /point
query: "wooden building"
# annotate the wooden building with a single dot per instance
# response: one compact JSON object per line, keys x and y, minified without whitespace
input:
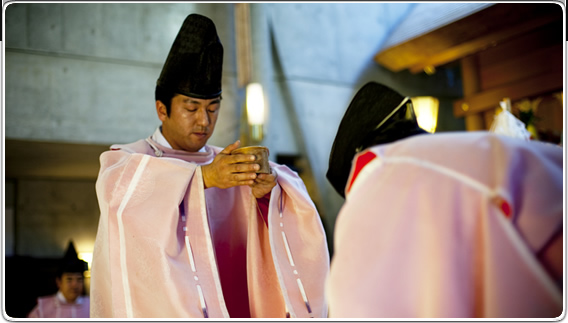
{"x":506,"y":50}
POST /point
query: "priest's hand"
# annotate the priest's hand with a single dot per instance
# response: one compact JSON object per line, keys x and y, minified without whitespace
{"x":228,"y":170}
{"x":263,"y":184}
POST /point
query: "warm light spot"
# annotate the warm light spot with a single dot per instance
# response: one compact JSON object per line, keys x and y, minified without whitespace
{"x":86,"y":256}
{"x":255,"y":104}
{"x":430,"y":70}
{"x":255,"y":111}
{"x":426,"y":110}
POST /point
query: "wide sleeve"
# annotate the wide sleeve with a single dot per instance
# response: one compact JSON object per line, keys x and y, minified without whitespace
{"x":290,"y":257}
{"x":135,"y":259}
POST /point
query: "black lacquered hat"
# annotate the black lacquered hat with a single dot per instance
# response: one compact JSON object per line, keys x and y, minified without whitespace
{"x":377,"y":114}
{"x":195,"y":63}
{"x":70,"y":263}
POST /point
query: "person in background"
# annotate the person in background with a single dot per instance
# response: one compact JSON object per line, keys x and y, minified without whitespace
{"x":188,"y":230}
{"x":445,"y":225}
{"x":69,"y":301}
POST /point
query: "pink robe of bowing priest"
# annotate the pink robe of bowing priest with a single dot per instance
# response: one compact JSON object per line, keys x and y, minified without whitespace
{"x":451,"y":225}
{"x":168,"y":248}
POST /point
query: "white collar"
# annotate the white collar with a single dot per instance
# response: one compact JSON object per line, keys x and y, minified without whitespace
{"x":63,"y":300}
{"x":160,"y":139}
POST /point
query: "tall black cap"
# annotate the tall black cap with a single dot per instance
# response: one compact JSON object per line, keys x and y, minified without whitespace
{"x":374,"y":105}
{"x":195,"y":63}
{"x":70,"y":263}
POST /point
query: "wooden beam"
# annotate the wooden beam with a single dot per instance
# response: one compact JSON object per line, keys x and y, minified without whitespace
{"x":243,"y":43}
{"x":482,"y":101}
{"x":521,"y":64}
{"x":543,"y":37}
{"x":471,"y":86}
{"x":481,"y":43}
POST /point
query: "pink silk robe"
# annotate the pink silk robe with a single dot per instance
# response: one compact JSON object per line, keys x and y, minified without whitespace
{"x":53,"y":307}
{"x":450,"y":226}
{"x":168,"y":248}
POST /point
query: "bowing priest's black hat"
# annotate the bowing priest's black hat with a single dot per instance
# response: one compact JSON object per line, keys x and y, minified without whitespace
{"x":195,"y":62}
{"x":376,"y":115}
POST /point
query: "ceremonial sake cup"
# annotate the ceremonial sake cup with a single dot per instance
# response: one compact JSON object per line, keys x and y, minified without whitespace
{"x":261,"y":154}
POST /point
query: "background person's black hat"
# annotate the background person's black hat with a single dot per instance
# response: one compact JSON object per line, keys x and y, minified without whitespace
{"x":70,"y":263}
{"x":377,"y":114}
{"x":195,"y":61}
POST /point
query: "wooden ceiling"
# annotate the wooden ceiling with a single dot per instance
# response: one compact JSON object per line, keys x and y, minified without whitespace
{"x":471,"y":34}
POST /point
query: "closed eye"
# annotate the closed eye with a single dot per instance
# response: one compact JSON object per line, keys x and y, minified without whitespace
{"x":214,"y":106}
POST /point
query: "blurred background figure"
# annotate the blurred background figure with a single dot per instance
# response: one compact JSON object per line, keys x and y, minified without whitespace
{"x":69,"y":301}
{"x":459,"y":225}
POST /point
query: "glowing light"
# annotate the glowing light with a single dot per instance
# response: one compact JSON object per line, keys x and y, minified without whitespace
{"x":255,"y":111}
{"x":86,"y":256}
{"x":426,"y":109}
{"x":255,"y":104}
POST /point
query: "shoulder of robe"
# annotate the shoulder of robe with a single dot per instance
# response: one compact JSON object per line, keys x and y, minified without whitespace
{"x":120,"y":153}
{"x":140,"y":146}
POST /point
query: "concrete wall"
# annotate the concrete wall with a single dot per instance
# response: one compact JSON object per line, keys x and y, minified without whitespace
{"x":53,"y":212}
{"x":321,"y":54}
{"x":85,"y":73}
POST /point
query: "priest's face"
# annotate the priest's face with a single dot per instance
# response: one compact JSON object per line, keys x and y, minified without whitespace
{"x":70,"y":285}
{"x":191,"y":121}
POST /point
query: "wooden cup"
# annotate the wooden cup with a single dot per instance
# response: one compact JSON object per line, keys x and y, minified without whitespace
{"x":261,"y":154}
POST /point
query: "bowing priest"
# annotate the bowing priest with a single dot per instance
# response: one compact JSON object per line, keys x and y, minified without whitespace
{"x":188,"y":230}
{"x":461,"y":224}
